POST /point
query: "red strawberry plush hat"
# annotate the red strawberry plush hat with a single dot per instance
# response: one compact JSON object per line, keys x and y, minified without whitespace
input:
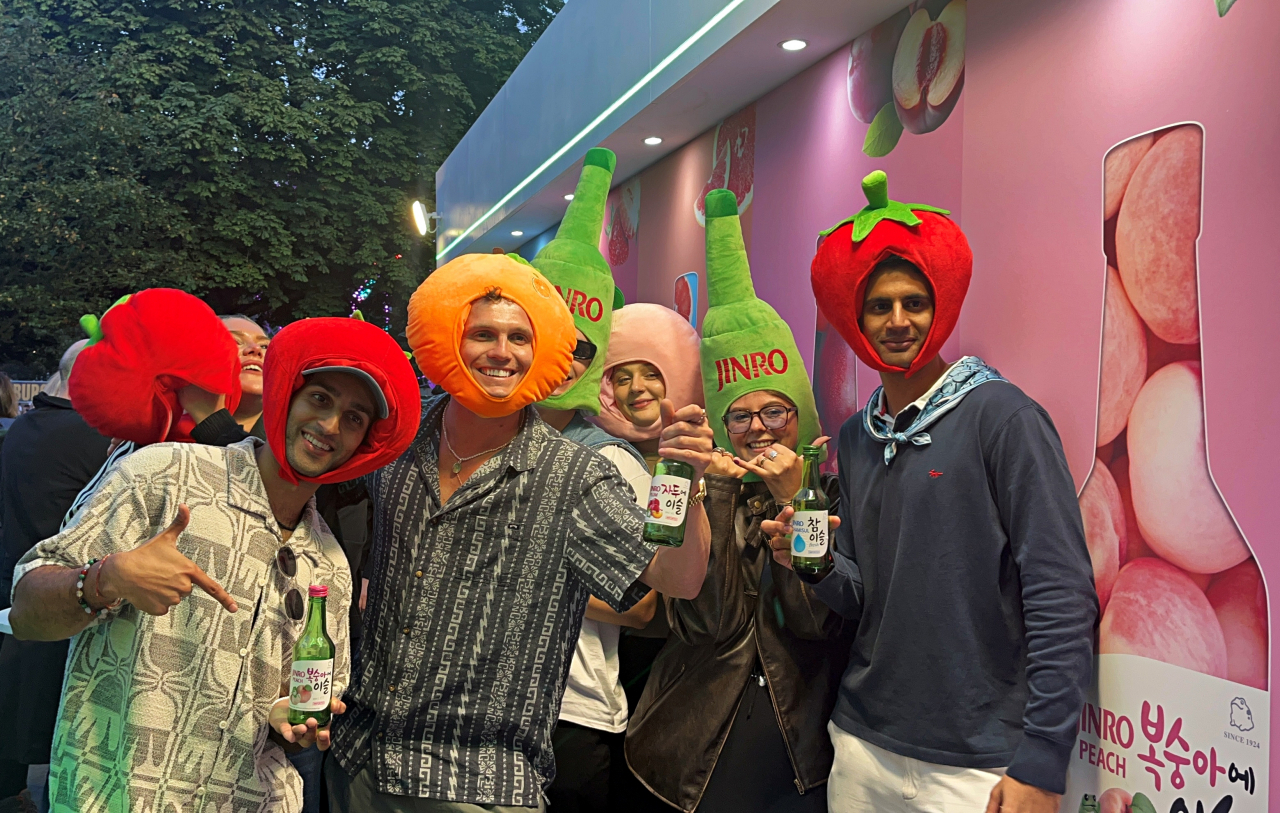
{"x":886,"y":228}
{"x":148,"y":346}
{"x":353,"y":346}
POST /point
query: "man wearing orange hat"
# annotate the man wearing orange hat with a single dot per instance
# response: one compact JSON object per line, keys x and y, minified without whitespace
{"x":960,"y":549}
{"x":490,"y":534}
{"x":173,"y":697}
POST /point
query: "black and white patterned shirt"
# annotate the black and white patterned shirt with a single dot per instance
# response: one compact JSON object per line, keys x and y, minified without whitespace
{"x":474,"y":610}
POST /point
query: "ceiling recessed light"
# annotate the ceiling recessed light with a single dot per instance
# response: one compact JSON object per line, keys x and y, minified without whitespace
{"x":653,"y":141}
{"x":569,"y":196}
{"x":793,"y":45}
{"x":517,"y":233}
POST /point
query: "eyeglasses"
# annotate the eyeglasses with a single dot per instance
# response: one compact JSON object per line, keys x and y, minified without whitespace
{"x":287,"y":562}
{"x":584,"y":351}
{"x":772,"y":417}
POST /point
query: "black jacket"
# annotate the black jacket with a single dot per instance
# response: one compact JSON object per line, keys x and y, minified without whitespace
{"x":49,"y":454}
{"x":750,"y":608}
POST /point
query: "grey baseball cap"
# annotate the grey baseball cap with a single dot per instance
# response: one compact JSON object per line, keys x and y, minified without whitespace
{"x":378,"y":395}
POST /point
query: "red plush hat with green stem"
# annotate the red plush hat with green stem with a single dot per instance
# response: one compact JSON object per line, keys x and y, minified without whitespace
{"x":886,"y":228}
{"x":146,"y":347}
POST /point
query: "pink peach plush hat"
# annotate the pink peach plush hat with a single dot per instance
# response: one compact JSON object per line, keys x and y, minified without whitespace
{"x":658,"y":336}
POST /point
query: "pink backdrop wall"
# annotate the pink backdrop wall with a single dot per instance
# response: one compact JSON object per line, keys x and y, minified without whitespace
{"x":1050,"y":86}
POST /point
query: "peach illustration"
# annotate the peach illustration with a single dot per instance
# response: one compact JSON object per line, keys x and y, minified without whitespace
{"x":1156,"y":235}
{"x":928,"y":67}
{"x":1239,"y":598}
{"x":1157,"y":612}
{"x":1124,"y":360}
{"x":1134,"y":545}
{"x":1115,"y":800}
{"x":870,"y":82}
{"x":1118,"y":168}
{"x":1181,"y":515}
{"x":1104,"y":528}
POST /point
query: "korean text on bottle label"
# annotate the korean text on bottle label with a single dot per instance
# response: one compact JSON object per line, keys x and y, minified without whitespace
{"x":668,"y":498}
{"x":809,"y":533}
{"x":311,"y":685}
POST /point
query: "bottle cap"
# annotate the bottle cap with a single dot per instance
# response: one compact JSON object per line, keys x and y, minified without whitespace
{"x":810,"y":451}
{"x":319,"y":591}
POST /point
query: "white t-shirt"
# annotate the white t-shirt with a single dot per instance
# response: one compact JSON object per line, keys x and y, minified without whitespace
{"x":593,"y":697}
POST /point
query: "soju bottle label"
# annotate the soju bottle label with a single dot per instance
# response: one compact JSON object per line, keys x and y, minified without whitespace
{"x":311,"y":685}
{"x":668,"y":500}
{"x":809,"y":533}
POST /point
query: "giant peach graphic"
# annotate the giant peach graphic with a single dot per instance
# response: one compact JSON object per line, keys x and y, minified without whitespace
{"x":1240,"y":601}
{"x":1124,"y":360}
{"x":1118,"y":168}
{"x":928,"y":67}
{"x":1178,"y":508}
{"x":870,"y":82}
{"x":1156,"y":235}
{"x":1157,"y":612}
{"x":1115,"y":800}
{"x":1134,"y":545}
{"x":1104,"y":528}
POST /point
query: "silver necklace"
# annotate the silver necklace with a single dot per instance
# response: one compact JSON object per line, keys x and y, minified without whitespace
{"x":458,"y":459}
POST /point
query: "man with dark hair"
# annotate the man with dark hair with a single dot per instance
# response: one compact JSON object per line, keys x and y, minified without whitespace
{"x":960,"y":549}
{"x":172,"y":710}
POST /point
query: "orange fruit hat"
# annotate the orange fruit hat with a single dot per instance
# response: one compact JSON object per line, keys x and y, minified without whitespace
{"x":438,"y":313}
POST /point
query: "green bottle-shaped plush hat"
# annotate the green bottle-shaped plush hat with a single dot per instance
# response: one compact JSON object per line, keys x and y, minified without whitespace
{"x":745,"y":344}
{"x":572,"y":262}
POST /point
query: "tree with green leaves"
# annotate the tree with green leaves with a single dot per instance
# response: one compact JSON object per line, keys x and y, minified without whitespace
{"x":261,"y":155}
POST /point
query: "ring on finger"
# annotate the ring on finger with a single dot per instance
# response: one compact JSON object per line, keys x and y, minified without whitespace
{"x":773,"y":454}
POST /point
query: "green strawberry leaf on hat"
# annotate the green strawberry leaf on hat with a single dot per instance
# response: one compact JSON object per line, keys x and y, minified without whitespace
{"x":876,"y":187}
{"x":92,"y":325}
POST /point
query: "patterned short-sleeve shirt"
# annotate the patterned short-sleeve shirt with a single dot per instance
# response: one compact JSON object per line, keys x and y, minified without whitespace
{"x":474,"y":610}
{"x":169,"y":713}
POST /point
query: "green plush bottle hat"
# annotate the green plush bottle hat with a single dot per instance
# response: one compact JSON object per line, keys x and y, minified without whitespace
{"x":572,"y":262}
{"x":745,"y":344}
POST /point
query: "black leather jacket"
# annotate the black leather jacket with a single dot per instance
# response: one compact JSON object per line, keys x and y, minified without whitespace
{"x":676,"y":732}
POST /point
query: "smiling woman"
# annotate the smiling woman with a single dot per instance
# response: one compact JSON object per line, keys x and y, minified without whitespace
{"x":253,"y":342}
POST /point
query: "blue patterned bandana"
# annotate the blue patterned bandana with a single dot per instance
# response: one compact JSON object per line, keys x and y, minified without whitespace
{"x":963,"y":376}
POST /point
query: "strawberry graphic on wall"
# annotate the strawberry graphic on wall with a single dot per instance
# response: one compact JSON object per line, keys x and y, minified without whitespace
{"x":907,"y":72}
{"x":733,"y":161}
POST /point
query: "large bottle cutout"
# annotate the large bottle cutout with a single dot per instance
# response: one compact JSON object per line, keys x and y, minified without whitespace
{"x":1176,"y":580}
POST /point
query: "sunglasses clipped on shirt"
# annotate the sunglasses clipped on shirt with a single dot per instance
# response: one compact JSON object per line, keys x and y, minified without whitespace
{"x":287,"y":562}
{"x":584,"y":351}
{"x":773,"y":417}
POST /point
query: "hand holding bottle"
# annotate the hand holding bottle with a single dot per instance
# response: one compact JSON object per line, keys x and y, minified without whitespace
{"x":686,"y":437}
{"x":779,"y":533}
{"x":306,"y":734}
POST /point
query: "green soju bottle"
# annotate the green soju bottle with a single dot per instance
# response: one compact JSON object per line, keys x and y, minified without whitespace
{"x":810,"y":548}
{"x":311,"y":681}
{"x":668,"y":503}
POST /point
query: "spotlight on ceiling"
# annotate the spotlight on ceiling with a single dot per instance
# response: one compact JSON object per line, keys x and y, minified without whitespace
{"x":517,"y":233}
{"x":653,"y":141}
{"x":569,"y":196}
{"x":793,"y":45}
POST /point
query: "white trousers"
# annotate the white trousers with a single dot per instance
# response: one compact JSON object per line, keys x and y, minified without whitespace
{"x":868,"y":779}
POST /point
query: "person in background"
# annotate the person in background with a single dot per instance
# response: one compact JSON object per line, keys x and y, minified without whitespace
{"x":593,"y":712}
{"x":340,"y":400}
{"x":652,"y":355}
{"x":960,"y":550}
{"x":733,"y":717}
{"x":49,"y":454}
{"x":253,"y":342}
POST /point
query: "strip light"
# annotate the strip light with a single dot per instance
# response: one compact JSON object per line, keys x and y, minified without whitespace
{"x":596,"y":122}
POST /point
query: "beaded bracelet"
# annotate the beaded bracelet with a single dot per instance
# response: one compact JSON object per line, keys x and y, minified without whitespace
{"x":84,"y":574}
{"x":80,"y":580}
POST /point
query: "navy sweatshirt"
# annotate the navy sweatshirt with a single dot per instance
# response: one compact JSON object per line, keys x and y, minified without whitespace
{"x":965,"y":563}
